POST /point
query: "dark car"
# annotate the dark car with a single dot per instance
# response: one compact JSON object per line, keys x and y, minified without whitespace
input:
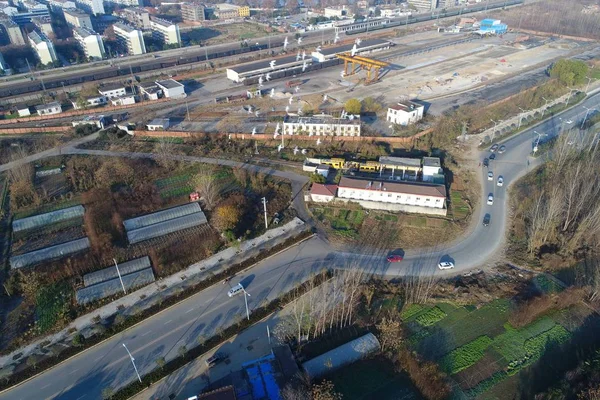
{"x":215,"y":359}
{"x":394,"y":258}
{"x":486,"y":162}
{"x":486,"y":219}
{"x":492,"y":156}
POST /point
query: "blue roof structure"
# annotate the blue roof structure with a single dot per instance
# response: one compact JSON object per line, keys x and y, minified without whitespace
{"x":261,"y":376}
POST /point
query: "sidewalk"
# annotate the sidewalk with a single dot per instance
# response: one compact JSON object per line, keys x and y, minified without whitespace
{"x":156,"y":292}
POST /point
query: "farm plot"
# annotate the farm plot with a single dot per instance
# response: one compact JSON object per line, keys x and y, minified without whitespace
{"x":174,"y":186}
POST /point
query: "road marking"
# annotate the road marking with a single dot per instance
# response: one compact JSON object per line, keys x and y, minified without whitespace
{"x":80,"y":397}
{"x":45,"y":386}
{"x":72,"y":372}
{"x":169,"y":321}
{"x":147,"y":333}
{"x":189,"y":311}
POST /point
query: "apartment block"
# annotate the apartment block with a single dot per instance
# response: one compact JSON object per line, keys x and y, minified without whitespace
{"x":227,"y":11}
{"x":128,"y":3}
{"x":137,"y":16}
{"x":12,"y":32}
{"x":90,"y":42}
{"x":165,"y":31}
{"x":95,"y":7}
{"x":58,"y":6}
{"x":424,"y":5}
{"x":43,"y":47}
{"x":78,"y":19}
{"x":192,"y":12}
{"x":130,"y":39}
{"x":44,"y":24}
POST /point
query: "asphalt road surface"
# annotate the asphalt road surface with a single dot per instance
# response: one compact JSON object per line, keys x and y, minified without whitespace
{"x":108,"y":365}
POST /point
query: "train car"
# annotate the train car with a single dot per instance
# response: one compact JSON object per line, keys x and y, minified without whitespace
{"x":149,"y":67}
{"x":107,"y":74}
{"x":168,"y":64}
{"x":188,"y":60}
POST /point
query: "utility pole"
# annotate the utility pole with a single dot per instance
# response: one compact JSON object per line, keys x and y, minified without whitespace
{"x":188,"y":110}
{"x":119,"y":273}
{"x":264,"y":200}
{"x":133,"y":362}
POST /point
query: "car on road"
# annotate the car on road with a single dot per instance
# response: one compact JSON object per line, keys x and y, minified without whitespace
{"x":490,"y":176}
{"x":492,"y":156}
{"x":500,"y":181}
{"x":490,"y":201}
{"x":446,"y":265}
{"x":215,"y":359}
{"x":486,"y":219}
{"x":237,"y":289}
{"x":394,"y":258}
{"x":494,"y":147}
{"x":502,"y":149}
{"x":486,"y":162}
{"x":569,"y":121}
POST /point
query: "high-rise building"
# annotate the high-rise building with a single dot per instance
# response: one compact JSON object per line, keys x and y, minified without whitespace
{"x":95,"y":7}
{"x":4,"y":67}
{"x":192,"y":12}
{"x":77,"y":19}
{"x":128,"y":3}
{"x":165,"y":31}
{"x":58,"y":6}
{"x":90,"y":42}
{"x":12,"y":32}
{"x":130,"y":39}
{"x":44,"y":24}
{"x":137,"y":16}
{"x":43,"y":47}
{"x":424,"y":5}
{"x":32,"y":9}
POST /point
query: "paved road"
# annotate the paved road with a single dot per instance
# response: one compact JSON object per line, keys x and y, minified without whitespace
{"x":107,"y":365}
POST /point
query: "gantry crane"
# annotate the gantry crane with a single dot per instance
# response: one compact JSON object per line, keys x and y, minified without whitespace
{"x":368,"y":64}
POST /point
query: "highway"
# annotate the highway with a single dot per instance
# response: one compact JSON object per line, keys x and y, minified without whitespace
{"x":107,"y":365}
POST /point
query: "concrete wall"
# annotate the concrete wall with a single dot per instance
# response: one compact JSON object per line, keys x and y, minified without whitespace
{"x":374,"y":205}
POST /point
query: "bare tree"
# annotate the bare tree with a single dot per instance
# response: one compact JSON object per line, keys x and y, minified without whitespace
{"x":208,"y":186}
{"x":164,"y":150}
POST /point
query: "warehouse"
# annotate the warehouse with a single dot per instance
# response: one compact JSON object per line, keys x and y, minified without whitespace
{"x":301,"y":62}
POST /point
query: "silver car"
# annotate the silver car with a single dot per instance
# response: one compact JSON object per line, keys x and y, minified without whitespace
{"x":446,"y":265}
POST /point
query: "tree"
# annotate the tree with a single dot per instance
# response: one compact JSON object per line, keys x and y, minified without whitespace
{"x":390,"y":334}
{"x":161,"y":362}
{"x":114,"y":171}
{"x":30,"y":284}
{"x":353,"y":106}
{"x":369,"y":104}
{"x":227,"y":217}
{"x":325,"y":391}
{"x":108,"y":393}
{"x":569,"y":72}
{"x":78,"y":340}
{"x":164,"y":151}
{"x":208,"y":186}
{"x":317,"y":178}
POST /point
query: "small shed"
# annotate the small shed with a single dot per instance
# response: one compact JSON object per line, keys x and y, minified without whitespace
{"x":158,"y":124}
{"x":23,"y":110}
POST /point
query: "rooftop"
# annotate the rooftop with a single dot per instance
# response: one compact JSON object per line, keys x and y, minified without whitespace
{"x":321,"y":119}
{"x":76,"y":13}
{"x":432,"y":162}
{"x":226,"y":6}
{"x":54,"y":104}
{"x":365,"y":44}
{"x":266,"y":64}
{"x":323,"y":190}
{"x":111,"y":86}
{"x":406,"y":106}
{"x":37,"y":37}
{"x":159,"y":121}
{"x":124,"y":27}
{"x":162,"y":22}
{"x":224,"y":393}
{"x":400,"y":161}
{"x":136,"y":10}
{"x":169,"y":83}
{"x":84,"y":32}
{"x":394,"y":187}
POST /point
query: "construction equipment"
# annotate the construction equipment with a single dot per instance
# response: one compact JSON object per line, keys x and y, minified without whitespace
{"x":365,"y":63}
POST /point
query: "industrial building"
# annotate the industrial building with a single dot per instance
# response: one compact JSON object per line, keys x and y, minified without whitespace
{"x":43,"y":47}
{"x":90,"y":42}
{"x":193,"y":12}
{"x":150,"y":90}
{"x":78,"y":19}
{"x":335,"y":11}
{"x":405,"y":113}
{"x":491,"y":27}
{"x":165,"y":31}
{"x":12,"y":32}
{"x":95,"y":7}
{"x":139,"y":17}
{"x":322,"y":125}
{"x":91,"y":101}
{"x":130,"y":39}
{"x":231,"y":11}
{"x":300,"y":63}
{"x":171,"y":88}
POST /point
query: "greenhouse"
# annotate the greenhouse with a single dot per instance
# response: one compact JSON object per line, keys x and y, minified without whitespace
{"x":113,"y":286}
{"x":164,"y":228}
{"x":109,"y":273}
{"x":49,"y":253}
{"x":53,"y":217}
{"x":161,"y":216}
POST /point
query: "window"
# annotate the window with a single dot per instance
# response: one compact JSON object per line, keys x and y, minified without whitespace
{"x":427,"y":199}
{"x":437,"y":200}
{"x":418,"y":199}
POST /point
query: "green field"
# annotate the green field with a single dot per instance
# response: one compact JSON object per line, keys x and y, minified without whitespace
{"x":51,"y":305}
{"x":477,"y":346}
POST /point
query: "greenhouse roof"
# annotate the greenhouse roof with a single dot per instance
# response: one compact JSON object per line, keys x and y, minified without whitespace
{"x":109,"y":273}
{"x":113,"y":286}
{"x":48,"y":253}
{"x":36,"y":221}
{"x":161,"y":216}
{"x":164,"y":228}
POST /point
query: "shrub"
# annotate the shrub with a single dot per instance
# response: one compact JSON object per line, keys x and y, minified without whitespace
{"x":465,"y":356}
{"x":426,"y":375}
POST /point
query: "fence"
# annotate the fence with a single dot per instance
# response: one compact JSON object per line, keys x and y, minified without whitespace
{"x":42,"y":129}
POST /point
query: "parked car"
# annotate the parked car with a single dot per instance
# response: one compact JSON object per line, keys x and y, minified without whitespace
{"x":215,"y":359}
{"x":490,"y":201}
{"x":446,"y":265}
{"x":492,"y":156}
{"x":502,"y":149}
{"x":394,"y":258}
{"x":486,"y":219}
{"x":500,"y":181}
{"x":490,"y":176}
{"x":486,"y":162}
{"x":237,"y":289}
{"x":569,"y":121}
{"x":494,"y":147}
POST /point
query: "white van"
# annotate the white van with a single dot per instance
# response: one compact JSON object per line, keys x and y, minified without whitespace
{"x":237,"y":289}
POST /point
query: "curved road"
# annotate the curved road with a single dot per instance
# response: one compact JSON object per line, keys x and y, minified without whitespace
{"x":108,"y":365}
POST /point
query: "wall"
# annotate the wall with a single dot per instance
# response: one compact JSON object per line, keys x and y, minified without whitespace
{"x":374,"y":205}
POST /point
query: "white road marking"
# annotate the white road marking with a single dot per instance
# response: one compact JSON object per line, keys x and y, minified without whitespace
{"x":45,"y":386}
{"x":189,"y":311}
{"x":169,"y":321}
{"x":147,"y":333}
{"x":72,"y":372}
{"x":80,"y":397}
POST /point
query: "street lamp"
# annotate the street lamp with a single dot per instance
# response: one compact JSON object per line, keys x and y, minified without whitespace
{"x":246,"y":295}
{"x":569,"y":97}
{"x":537,"y":142}
{"x":264,"y":201}
{"x":133,"y":362}
{"x":119,"y":273}
{"x":586,"y":115}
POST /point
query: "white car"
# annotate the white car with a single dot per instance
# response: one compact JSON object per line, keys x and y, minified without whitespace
{"x":500,"y":181}
{"x":490,"y":176}
{"x":446,"y":265}
{"x":237,"y":289}
{"x":490,"y":199}
{"x":569,"y":121}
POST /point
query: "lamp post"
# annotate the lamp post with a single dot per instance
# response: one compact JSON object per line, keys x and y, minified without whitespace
{"x":537,"y":142}
{"x":119,"y":273}
{"x":133,"y":362}
{"x":586,"y":115}
{"x":246,"y":295}
{"x":264,"y":201}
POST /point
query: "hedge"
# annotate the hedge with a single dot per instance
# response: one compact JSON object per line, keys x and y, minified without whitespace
{"x":465,"y":356}
{"x":51,"y":361}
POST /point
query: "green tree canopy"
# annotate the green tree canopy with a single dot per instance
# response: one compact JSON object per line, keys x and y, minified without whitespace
{"x":353,"y":106}
{"x":569,"y":72}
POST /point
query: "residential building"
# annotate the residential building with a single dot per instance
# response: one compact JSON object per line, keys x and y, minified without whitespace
{"x":23,"y":110}
{"x":321,"y":125}
{"x":423,"y":5}
{"x":227,"y":11}
{"x":100,"y":121}
{"x":78,"y":19}
{"x":90,"y":101}
{"x":44,"y":24}
{"x":171,"y":88}
{"x":95,"y":7}
{"x":244,"y":11}
{"x":137,"y":16}
{"x":405,"y":113}
{"x":321,"y":193}
{"x":150,"y":90}
{"x":123,"y":100}
{"x":337,"y":11}
{"x":127,"y":3}
{"x":103,"y":22}
{"x":192,"y":12}
{"x":393,"y":196}
{"x":446,"y":3}
{"x":165,"y":31}
{"x":90,"y":42}
{"x":58,"y":6}
{"x":432,"y":170}
{"x":43,"y":47}
{"x":362,"y":4}
{"x":12,"y":32}
{"x":130,"y":39}
{"x":391,"y":11}
{"x":4,"y":67}
{"x":49,"y":109}
{"x":112,"y":90}
{"x":158,"y":124}
{"x":32,"y":9}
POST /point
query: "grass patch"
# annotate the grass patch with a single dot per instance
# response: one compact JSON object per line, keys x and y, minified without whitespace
{"x":430,"y":317}
{"x":411,"y":311}
{"x":510,"y":344}
{"x":546,"y":284}
{"x":465,"y":356}
{"x":51,"y":305}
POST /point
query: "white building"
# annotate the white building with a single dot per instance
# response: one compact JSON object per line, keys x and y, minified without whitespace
{"x":49,"y":109}
{"x":432,"y":169}
{"x":90,"y":42}
{"x":44,"y":25}
{"x":91,"y":101}
{"x":165,"y":31}
{"x":150,"y":90}
{"x":394,"y":196}
{"x":321,"y":193}
{"x":424,"y":5}
{"x":331,"y":12}
{"x":321,"y":125}
{"x":78,"y":19}
{"x":405,"y":113}
{"x":112,"y":90}
{"x":123,"y":100}
{"x":130,"y":39}
{"x":171,"y":88}
{"x":192,"y":12}
{"x":43,"y":47}
{"x":95,"y":7}
{"x":13,"y":30}
{"x":23,"y":110}
{"x":128,"y":3}
{"x":137,"y":16}
{"x":159,"y":124}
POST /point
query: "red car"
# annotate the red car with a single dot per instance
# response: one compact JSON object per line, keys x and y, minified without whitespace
{"x":394,"y":258}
